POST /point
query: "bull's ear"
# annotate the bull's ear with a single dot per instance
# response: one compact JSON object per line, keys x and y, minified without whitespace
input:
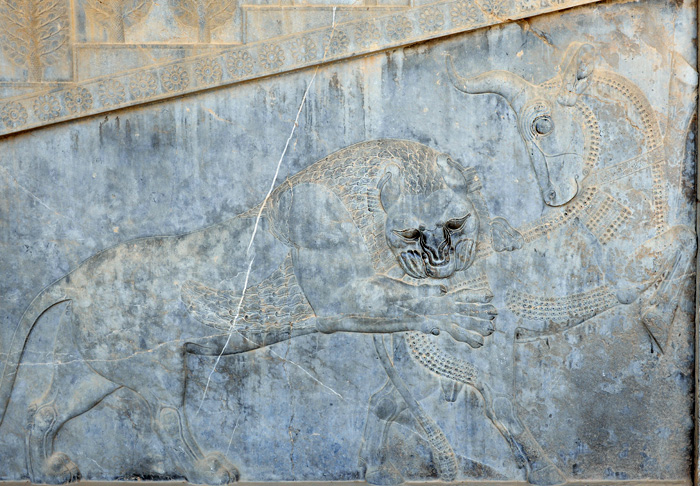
{"x":452,"y":174}
{"x":578,"y":67}
{"x":389,"y":187}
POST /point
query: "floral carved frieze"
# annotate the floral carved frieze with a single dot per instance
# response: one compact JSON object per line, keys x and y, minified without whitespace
{"x":224,"y":65}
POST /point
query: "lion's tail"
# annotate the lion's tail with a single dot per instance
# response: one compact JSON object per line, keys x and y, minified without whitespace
{"x":52,"y":295}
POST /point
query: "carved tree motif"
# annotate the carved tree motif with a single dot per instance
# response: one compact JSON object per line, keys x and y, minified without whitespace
{"x":115,"y":15}
{"x":205,"y":15}
{"x":32,"y":32}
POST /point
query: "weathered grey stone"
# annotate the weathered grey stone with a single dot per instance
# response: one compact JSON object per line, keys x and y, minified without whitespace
{"x":463,"y":257}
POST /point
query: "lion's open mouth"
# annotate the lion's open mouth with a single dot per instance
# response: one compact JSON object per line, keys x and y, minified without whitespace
{"x":457,"y":258}
{"x":421,"y":264}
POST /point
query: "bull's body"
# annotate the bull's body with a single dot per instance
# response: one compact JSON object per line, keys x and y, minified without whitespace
{"x":608,"y":237}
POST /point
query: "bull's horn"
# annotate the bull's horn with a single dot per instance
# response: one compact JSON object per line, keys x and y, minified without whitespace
{"x":503,"y":83}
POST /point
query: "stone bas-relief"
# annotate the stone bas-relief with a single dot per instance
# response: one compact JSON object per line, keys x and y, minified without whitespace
{"x":490,"y":280}
{"x":548,"y":117}
{"x":357,"y":191}
{"x":127,"y":52}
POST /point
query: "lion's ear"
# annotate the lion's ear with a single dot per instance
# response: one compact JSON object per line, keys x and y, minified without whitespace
{"x":452,"y":174}
{"x":389,"y":187}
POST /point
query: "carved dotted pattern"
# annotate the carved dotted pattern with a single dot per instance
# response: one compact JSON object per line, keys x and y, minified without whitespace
{"x":426,"y":352}
{"x":629,"y":167}
{"x":605,"y":217}
{"x":652,"y":137}
{"x":591,"y":135}
{"x":443,"y":455}
{"x":543,"y":226}
{"x":561,"y":309}
{"x":553,"y":84}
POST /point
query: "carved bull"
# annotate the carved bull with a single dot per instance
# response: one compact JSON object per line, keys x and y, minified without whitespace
{"x":584,"y":178}
{"x":618,"y":186}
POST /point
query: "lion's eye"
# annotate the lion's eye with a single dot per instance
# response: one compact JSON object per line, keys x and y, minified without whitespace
{"x":456,"y":224}
{"x":407,"y":234}
{"x":543,"y":125}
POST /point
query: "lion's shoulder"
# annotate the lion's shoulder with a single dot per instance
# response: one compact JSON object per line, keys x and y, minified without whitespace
{"x":364,"y":163}
{"x":352,"y":173}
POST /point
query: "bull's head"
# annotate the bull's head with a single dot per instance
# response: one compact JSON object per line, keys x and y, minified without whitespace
{"x":548,"y":119}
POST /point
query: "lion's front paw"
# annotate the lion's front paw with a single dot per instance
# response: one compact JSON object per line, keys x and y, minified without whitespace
{"x":484,"y":312}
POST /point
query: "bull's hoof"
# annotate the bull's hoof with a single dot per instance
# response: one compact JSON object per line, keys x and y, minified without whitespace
{"x":384,"y":476}
{"x":657,"y":325}
{"x":58,"y":469}
{"x":548,"y":475}
{"x":213,"y":469}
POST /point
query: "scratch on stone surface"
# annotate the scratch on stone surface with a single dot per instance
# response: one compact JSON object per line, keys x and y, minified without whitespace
{"x":96,"y":463}
{"x":34,"y":196}
{"x":290,"y":431}
{"x":230,"y":333}
{"x":233,"y":432}
{"x":218,"y":117}
{"x":260,"y":212}
{"x":309,"y":374}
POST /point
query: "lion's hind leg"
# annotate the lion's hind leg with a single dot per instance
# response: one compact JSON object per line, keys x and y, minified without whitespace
{"x":384,"y":407}
{"x":75,"y":388}
{"x":502,"y":413}
{"x":161,"y":383}
{"x":196,"y":466}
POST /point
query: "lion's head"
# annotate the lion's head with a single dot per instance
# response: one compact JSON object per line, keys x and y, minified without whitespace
{"x":432,"y":235}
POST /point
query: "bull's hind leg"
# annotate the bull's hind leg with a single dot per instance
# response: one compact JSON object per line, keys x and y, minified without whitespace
{"x":384,"y":406}
{"x":75,"y":388}
{"x":667,"y":258}
{"x":659,"y":311}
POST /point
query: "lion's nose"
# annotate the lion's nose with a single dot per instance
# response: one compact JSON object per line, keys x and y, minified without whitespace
{"x":434,"y":246}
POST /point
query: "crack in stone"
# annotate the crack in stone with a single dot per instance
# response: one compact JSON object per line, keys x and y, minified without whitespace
{"x":34,"y":196}
{"x":233,"y":432}
{"x":257,"y":222}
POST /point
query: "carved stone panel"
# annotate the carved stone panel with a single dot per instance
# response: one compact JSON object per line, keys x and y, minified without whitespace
{"x":384,"y":241}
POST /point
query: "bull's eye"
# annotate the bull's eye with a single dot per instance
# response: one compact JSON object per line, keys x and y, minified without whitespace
{"x":456,"y":224}
{"x":407,"y":234}
{"x":543,"y":125}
